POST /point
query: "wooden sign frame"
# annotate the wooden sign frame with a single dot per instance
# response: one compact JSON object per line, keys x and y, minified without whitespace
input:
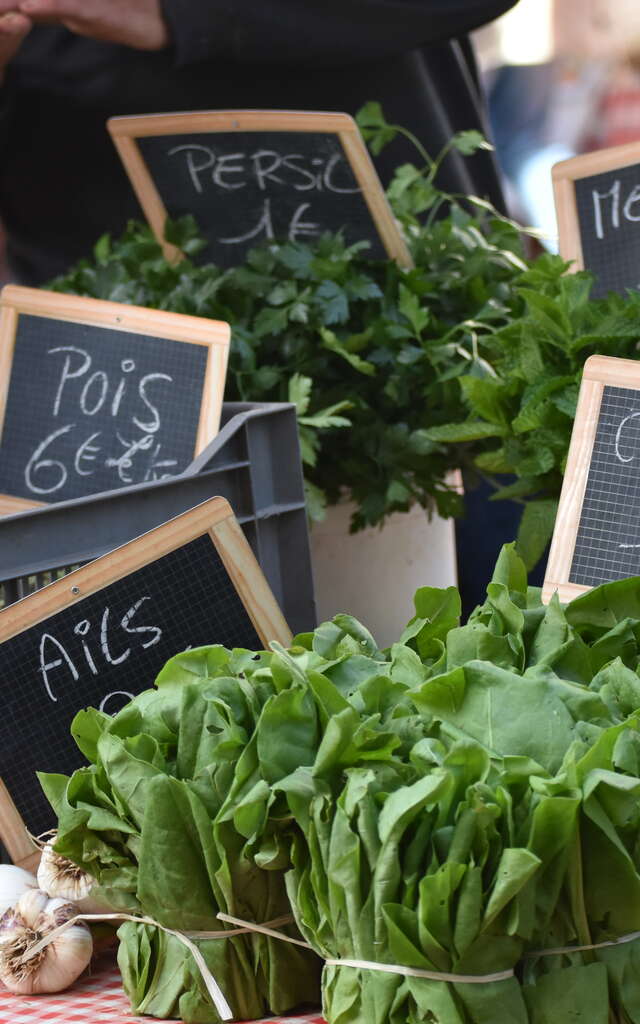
{"x":126,"y":130}
{"x":565,"y":174}
{"x":214,"y":334}
{"x":214,"y":518}
{"x":599,"y":372}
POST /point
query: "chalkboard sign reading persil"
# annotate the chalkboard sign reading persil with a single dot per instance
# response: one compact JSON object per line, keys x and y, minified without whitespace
{"x":249,"y":176}
{"x":598,"y":209}
{"x":100,"y":635}
{"x":97,"y":395}
{"x":597,"y":532}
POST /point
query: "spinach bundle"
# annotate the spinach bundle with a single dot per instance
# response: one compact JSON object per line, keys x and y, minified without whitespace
{"x":140,"y":820}
{"x":509,"y":829}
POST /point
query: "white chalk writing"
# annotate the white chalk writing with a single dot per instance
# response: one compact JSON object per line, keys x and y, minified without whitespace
{"x":271,"y":173}
{"x":95,"y":647}
{"x":610,"y":211}
{"x":264,"y":227}
{"x":264,"y":168}
{"x":618,"y":440}
{"x":81,"y":393}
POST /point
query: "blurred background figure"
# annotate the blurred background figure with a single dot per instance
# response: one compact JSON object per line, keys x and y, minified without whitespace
{"x":563,"y":78}
{"x":70,"y":64}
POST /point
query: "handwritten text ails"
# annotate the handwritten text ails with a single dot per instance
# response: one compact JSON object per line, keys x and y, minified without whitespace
{"x":96,"y":646}
{"x":270,"y":172}
{"x":90,"y":392}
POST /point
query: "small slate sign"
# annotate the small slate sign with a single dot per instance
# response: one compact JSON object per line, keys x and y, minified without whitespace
{"x":251,"y":176}
{"x":598,"y":208}
{"x":96,"y":395}
{"x":100,"y":635}
{"x":597,"y":532}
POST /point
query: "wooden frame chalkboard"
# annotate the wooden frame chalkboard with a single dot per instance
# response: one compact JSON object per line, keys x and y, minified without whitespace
{"x":49,"y":314}
{"x":127,"y":131}
{"x":215,"y":523}
{"x":619,"y":270}
{"x":597,"y":524}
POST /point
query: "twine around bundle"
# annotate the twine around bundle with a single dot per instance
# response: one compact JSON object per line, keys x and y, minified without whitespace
{"x":269,"y":929}
{"x":186,"y":938}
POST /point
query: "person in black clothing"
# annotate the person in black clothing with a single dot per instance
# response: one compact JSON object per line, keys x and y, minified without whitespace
{"x":70,"y":64}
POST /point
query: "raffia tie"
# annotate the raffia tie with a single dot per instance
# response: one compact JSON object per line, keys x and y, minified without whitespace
{"x":417,"y":972}
{"x":186,"y":938}
{"x":269,"y":929}
{"x":369,"y":965}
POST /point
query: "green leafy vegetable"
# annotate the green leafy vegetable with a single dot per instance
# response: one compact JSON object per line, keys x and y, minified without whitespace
{"x":140,"y":819}
{"x":466,"y":801}
{"x":473,"y":837}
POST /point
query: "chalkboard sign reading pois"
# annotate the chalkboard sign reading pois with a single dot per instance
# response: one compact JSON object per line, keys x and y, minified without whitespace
{"x":100,"y":635}
{"x":96,"y":395}
{"x":598,"y":208}
{"x":250,"y":176}
{"x":597,"y":532}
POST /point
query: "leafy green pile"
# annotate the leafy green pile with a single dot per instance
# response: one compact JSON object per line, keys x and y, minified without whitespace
{"x":502,"y":822}
{"x":456,"y":803}
{"x":350,"y":340}
{"x":139,"y":820}
{"x":519,"y":414}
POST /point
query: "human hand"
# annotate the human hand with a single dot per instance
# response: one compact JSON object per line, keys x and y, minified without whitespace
{"x":135,"y":23}
{"x":13,"y":28}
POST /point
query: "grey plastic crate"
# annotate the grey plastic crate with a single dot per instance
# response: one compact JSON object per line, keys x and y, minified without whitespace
{"x":254,"y":463}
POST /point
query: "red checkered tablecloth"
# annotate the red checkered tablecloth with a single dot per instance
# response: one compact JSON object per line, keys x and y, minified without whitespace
{"x":94,"y":999}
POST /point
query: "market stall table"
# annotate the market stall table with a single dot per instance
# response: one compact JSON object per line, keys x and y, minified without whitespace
{"x":95,"y":998}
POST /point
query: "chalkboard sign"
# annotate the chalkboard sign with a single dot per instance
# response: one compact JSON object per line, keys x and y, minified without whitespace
{"x":247,"y":176}
{"x":597,"y":532}
{"x":97,"y":395}
{"x":598,"y":208}
{"x":101,"y":634}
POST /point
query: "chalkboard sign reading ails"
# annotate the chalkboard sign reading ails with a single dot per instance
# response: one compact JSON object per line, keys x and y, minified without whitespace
{"x":97,"y":395}
{"x":100,"y":635}
{"x":598,"y":208}
{"x":597,"y":532}
{"x":250,"y":176}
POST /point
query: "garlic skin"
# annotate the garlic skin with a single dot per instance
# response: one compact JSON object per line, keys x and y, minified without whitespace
{"x":14,"y":881}
{"x":56,"y":965}
{"x":58,"y":876}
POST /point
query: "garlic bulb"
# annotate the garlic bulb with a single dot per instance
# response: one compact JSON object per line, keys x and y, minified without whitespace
{"x":13,"y":882}
{"x":55,"y":965}
{"x":58,"y":876}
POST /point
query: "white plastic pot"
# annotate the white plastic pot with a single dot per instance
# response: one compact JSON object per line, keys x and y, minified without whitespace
{"x":374,"y":574}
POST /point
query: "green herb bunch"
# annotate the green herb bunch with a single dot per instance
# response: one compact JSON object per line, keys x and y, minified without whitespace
{"x":472,"y":360}
{"x":520,"y":411}
{"x":356,"y":344}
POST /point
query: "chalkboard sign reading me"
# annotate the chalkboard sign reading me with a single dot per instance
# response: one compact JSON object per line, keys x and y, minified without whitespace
{"x":100,"y":635}
{"x":251,"y":176}
{"x":96,"y":395}
{"x":597,"y":532}
{"x":598,"y":209}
